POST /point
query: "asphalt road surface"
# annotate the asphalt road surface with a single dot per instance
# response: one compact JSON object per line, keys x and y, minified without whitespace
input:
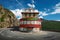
{"x":7,"y":34}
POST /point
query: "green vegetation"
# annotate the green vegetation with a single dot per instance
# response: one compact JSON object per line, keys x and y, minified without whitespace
{"x":30,"y":18}
{"x":1,"y":19}
{"x":51,"y":25}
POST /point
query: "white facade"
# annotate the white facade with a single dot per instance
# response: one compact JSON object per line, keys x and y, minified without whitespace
{"x":36,"y":29}
{"x":30,"y":22}
{"x":33,"y":30}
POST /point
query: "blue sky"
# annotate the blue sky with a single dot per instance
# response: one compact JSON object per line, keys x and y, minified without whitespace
{"x":48,"y":9}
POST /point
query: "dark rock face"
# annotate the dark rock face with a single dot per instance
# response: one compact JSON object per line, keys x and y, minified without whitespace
{"x":7,"y":18}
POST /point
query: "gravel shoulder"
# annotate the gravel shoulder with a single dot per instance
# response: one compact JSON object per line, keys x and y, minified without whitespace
{"x":7,"y":34}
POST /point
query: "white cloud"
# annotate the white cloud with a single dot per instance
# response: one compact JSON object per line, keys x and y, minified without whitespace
{"x":17,"y":13}
{"x":46,"y":9}
{"x":30,"y":5}
{"x":57,"y":20}
{"x":41,"y":17}
{"x":57,"y":9}
{"x":57,"y":5}
{"x":43,"y":13}
{"x":33,"y":1}
{"x":36,"y":11}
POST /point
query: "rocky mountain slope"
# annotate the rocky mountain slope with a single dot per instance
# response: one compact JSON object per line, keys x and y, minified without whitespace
{"x":7,"y":18}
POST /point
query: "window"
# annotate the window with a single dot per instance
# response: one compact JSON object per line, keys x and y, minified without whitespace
{"x":33,"y":22}
{"x":40,"y":22}
{"x":29,"y":15}
{"x":21,"y":22}
{"x":28,"y":22}
{"x":21,"y":29}
{"x":34,"y":15}
{"x":37,"y":22}
{"x":25,"y":29}
{"x":24,"y":22}
{"x":25,"y":15}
